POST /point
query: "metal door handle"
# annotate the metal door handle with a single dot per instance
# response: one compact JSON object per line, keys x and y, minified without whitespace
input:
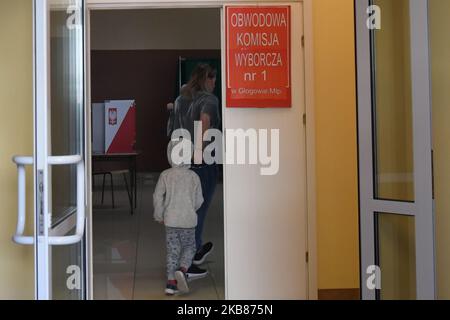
{"x":19,"y":238}
{"x":21,"y":162}
{"x":78,"y":236}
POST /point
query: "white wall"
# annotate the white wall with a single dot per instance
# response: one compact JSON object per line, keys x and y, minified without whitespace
{"x":266,"y":215}
{"x":183,"y":29}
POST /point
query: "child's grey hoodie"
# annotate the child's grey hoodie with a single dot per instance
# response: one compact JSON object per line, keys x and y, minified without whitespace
{"x":177,"y":197}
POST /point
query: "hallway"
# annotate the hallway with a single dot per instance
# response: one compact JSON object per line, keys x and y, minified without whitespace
{"x":129,"y":250}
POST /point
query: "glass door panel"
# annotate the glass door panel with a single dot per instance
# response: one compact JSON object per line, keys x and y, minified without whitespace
{"x":394,"y":137}
{"x":68,"y":278}
{"x":59,"y":152}
{"x":396,"y":256}
{"x":391,"y":60}
{"x":393,"y":148}
{"x":66,"y":69}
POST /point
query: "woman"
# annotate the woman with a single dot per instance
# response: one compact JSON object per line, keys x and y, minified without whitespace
{"x":198,"y":103}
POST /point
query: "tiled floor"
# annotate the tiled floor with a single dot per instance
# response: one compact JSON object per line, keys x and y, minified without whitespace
{"x":129,"y":250}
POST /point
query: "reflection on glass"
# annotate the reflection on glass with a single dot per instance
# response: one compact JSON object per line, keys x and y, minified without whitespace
{"x":66,"y":65}
{"x":66,"y":109}
{"x":392,"y":103}
{"x":396,"y":256}
{"x":439,"y":25}
{"x":67,"y":272}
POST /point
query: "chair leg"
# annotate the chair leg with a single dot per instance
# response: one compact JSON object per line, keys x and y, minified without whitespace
{"x":128,"y":192}
{"x":103,"y":188}
{"x":135,"y":187}
{"x":112,"y":190}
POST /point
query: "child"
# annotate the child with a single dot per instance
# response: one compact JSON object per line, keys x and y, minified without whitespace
{"x":177,"y":197}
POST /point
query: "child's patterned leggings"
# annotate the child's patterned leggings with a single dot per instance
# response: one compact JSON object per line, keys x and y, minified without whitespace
{"x":181,"y":249}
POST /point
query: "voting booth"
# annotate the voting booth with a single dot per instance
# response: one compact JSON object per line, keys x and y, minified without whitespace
{"x":114,"y":127}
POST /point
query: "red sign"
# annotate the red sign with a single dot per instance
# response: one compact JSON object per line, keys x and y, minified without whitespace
{"x":258,"y":47}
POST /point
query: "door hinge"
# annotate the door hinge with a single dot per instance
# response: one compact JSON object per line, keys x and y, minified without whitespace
{"x":304,"y":119}
{"x":303,"y":41}
{"x":432,"y":174}
{"x":307,"y":256}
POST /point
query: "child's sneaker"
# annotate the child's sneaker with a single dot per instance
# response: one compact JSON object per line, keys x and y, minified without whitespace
{"x":182,"y":281}
{"x":171,"y":289}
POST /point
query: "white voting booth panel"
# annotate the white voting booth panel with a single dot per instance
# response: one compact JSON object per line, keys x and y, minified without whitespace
{"x":98,"y":128}
{"x":120,"y":126}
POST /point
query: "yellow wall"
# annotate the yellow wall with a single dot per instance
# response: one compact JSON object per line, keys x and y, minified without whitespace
{"x":335,"y":111}
{"x":440,"y":64}
{"x":16,"y":137}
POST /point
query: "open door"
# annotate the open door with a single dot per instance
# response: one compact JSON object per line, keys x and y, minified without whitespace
{"x":59,"y":158}
{"x":265,"y":228}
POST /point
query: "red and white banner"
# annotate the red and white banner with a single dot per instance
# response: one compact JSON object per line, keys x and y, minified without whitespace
{"x":258,"y":49}
{"x":120,"y":126}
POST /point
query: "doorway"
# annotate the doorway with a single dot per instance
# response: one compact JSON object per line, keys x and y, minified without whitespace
{"x":144,"y":57}
{"x":253,"y":205}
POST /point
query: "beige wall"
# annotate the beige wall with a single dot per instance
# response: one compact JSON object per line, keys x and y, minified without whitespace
{"x":336,"y":149}
{"x":183,"y":29}
{"x":440,"y":53}
{"x":16,"y":137}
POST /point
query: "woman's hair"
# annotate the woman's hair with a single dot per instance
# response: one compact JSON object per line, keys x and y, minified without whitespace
{"x":198,"y":78}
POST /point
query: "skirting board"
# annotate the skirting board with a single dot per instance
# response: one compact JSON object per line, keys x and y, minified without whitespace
{"x":339,"y":294}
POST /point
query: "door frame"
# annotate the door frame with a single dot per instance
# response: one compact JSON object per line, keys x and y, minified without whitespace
{"x":422,"y":207}
{"x":311,"y":231}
